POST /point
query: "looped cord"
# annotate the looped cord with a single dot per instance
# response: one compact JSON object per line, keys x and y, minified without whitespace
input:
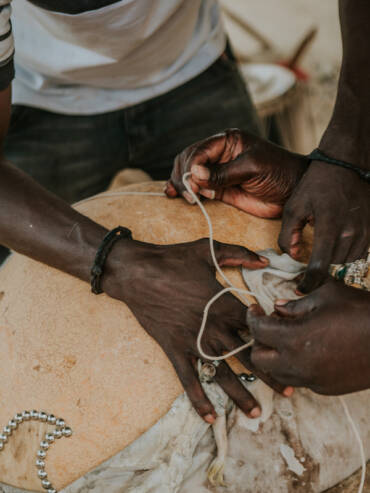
{"x":231,"y":288}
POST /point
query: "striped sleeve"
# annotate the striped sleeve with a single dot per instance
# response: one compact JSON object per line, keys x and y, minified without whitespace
{"x":6,"y":45}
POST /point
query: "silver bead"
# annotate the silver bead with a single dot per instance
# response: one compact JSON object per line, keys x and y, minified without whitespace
{"x":67,"y":431}
{"x":41,"y":454}
{"x":13,"y":424}
{"x":42,"y":474}
{"x":45,"y":483}
{"x":49,"y":437}
{"x":40,"y":464}
{"x":43,"y":416}
{"x":1,"y":445}
{"x":26,"y":415}
{"x":57,"y":433}
{"x":51,"y":490}
{"x":247,"y":377}
{"x":52,"y":419}
{"x":7,"y":431}
{"x":3,"y":438}
{"x":34,"y":414}
{"x":44,"y":445}
{"x":18,"y":418}
{"x":60,"y":423}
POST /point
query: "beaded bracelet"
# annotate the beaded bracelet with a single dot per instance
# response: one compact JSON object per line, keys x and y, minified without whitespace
{"x":119,"y":233}
{"x":317,"y":155}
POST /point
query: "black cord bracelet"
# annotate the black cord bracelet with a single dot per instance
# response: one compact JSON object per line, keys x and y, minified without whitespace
{"x":317,"y":155}
{"x":105,"y":247}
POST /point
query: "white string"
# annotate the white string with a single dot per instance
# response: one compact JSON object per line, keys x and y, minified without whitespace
{"x":231,"y":288}
{"x":359,"y":441}
{"x":105,"y":195}
{"x":241,"y":348}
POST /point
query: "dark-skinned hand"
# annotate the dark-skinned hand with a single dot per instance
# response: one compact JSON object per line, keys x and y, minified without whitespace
{"x":321,"y":341}
{"x":336,"y":202}
{"x":167,"y":288}
{"x":239,"y":169}
{"x":259,"y":177}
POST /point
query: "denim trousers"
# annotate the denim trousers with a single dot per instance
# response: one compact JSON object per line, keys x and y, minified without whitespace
{"x":77,"y":156}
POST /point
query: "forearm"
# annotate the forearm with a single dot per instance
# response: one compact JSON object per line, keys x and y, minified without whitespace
{"x":347,"y":136}
{"x":38,"y":224}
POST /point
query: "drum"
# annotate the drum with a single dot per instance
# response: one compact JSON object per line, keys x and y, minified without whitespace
{"x":85,"y":358}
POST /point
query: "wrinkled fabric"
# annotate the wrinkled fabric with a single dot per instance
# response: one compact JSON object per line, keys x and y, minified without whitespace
{"x":301,"y":444}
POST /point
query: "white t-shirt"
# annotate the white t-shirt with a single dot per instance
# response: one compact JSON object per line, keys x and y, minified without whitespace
{"x":111,"y":57}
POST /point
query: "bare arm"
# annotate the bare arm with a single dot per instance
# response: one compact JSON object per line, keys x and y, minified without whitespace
{"x":348,"y":132}
{"x":38,"y":224}
{"x":62,"y":237}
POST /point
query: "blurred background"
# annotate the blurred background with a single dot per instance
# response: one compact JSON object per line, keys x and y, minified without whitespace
{"x":290,"y":54}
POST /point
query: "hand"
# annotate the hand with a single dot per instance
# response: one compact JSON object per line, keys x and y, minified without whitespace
{"x":321,"y":341}
{"x":337,"y":202}
{"x":239,"y":169}
{"x":167,"y":288}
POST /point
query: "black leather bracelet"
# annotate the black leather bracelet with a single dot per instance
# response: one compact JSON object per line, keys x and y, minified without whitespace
{"x":317,"y":155}
{"x":105,"y":247}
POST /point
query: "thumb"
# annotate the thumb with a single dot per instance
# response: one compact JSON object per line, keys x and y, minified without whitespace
{"x":224,"y":175}
{"x":295,"y":308}
{"x":235,"y":256}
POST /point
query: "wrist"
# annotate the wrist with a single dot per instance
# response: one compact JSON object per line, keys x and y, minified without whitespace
{"x":118,"y":268}
{"x":110,"y":239}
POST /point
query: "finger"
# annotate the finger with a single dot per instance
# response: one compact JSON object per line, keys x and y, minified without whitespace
{"x":266,"y":360}
{"x":202,"y":153}
{"x":236,"y":391}
{"x":190,"y":381}
{"x":227,"y":174}
{"x":295,"y":217}
{"x":359,"y":244}
{"x":235,"y":256}
{"x":271,"y":362}
{"x":321,"y":256}
{"x":232,"y":341}
{"x":189,"y":197}
{"x":268,"y":331}
{"x":296,"y":308}
{"x":207,"y":193}
{"x":170,"y":190}
{"x":343,"y":246}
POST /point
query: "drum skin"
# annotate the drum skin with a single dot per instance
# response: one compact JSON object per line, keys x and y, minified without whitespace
{"x":85,"y":357}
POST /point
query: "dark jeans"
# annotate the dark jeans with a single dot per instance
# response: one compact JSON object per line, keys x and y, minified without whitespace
{"x":77,"y":156}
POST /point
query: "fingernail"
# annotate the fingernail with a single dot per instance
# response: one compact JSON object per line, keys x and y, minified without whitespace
{"x":209,"y":418}
{"x":209,"y":194}
{"x":263,"y":259}
{"x":188,"y":197}
{"x":281,"y":302}
{"x":200,"y":172}
{"x":255,"y":413}
{"x":288,"y":391}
